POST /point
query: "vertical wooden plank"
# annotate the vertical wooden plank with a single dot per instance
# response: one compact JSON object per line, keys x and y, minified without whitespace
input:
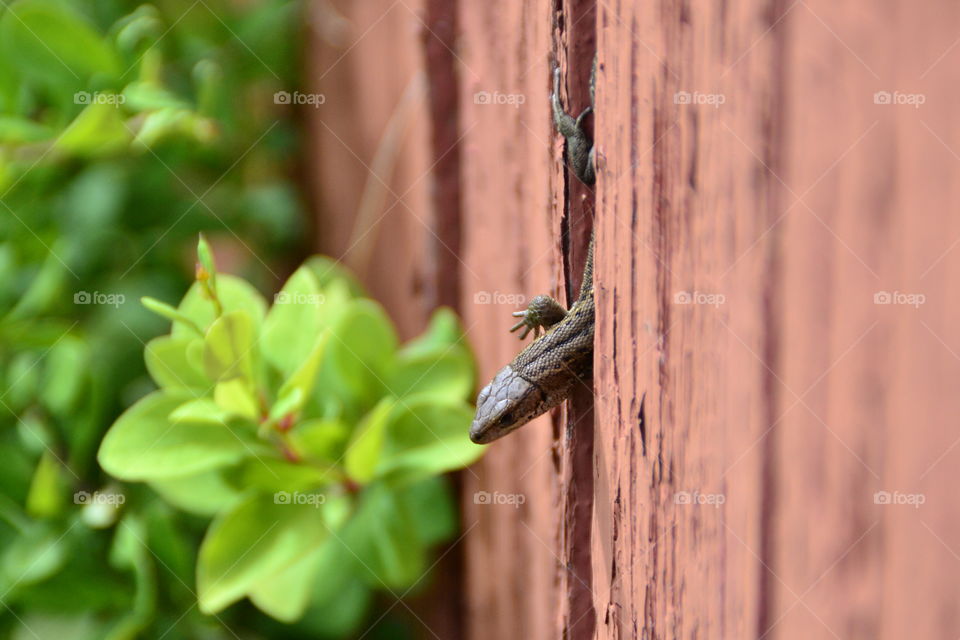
{"x":815,"y":399}
{"x":511,"y":217}
{"x":373,"y":196}
{"x":869,"y":366}
{"x":683,"y":314}
{"x":384,"y":168}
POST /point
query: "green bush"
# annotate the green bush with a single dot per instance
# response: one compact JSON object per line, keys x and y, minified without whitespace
{"x":313,"y":440}
{"x":126,"y":129}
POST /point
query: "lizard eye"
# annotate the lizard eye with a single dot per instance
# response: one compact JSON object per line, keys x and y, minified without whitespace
{"x":506,"y":418}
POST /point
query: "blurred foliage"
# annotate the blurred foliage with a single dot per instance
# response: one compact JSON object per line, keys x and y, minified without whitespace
{"x":126,"y":129}
{"x":309,"y":435}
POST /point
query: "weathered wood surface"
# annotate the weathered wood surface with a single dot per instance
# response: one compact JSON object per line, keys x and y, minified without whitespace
{"x":753,"y":392}
{"x":797,"y":397}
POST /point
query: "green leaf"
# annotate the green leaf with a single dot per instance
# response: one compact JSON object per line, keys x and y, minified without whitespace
{"x":331,"y":273}
{"x":17,"y":130}
{"x":300,"y":384}
{"x":45,"y":499}
{"x":296,"y":318}
{"x":50,"y":42}
{"x":364,"y":451}
{"x":286,"y":594}
{"x":269,"y":474}
{"x":171,"y":313}
{"x":228,"y":348}
{"x":384,"y":536}
{"x":99,"y":130}
{"x":361,"y":352}
{"x":443,"y":331}
{"x":143,"y":444}
{"x":209,"y":267}
{"x":251,"y":542}
{"x":170,"y":367}
{"x":201,"y":410}
{"x":424,"y":438}
{"x":235,"y":294}
{"x":320,"y":440}
{"x":63,"y":375}
{"x":147,"y":96}
{"x":203,"y":494}
{"x":236,"y":398}
{"x":35,"y":555}
{"x":434,"y":508}
{"x":22,"y":380}
{"x":445,"y":373}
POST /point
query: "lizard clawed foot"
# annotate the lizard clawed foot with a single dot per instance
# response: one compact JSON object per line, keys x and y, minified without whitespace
{"x":542,"y":313}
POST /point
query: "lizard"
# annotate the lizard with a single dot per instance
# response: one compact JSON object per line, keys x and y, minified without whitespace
{"x":541,"y":376}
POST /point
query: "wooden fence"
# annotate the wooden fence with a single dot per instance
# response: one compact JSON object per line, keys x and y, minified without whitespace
{"x":771,"y":448}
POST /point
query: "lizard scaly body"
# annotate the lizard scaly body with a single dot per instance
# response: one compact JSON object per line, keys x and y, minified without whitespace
{"x":542,"y":375}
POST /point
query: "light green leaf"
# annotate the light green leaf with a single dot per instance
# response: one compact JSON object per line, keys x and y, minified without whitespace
{"x":235,"y":294}
{"x":331,"y":273}
{"x":273,"y":475}
{"x":201,"y":410}
{"x":236,"y":398}
{"x":45,"y":499}
{"x":97,"y":131}
{"x":17,"y":130}
{"x":228,"y":348}
{"x":203,"y":494}
{"x":205,"y":258}
{"x":286,"y":594}
{"x":320,"y":440}
{"x":251,"y":542}
{"x":424,"y":438}
{"x":169,"y":366}
{"x":291,"y":327}
{"x":361,"y":352}
{"x":445,"y":373}
{"x":147,"y":96}
{"x":364,"y":451}
{"x":300,"y":384}
{"x":443,"y":330}
{"x":143,"y":444}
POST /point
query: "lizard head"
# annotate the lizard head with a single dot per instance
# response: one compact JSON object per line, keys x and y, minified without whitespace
{"x":507,"y":403}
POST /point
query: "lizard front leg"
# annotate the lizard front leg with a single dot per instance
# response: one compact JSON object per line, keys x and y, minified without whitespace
{"x":542,"y":313}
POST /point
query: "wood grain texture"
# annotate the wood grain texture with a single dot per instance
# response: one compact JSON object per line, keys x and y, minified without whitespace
{"x":777,"y":257}
{"x":742,"y":244}
{"x":512,"y":213}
